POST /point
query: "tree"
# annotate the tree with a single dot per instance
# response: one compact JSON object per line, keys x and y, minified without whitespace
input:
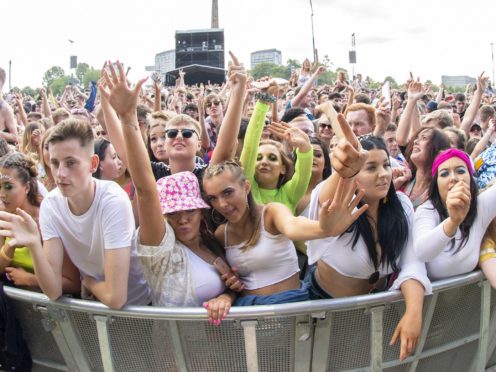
{"x":293,"y":63}
{"x":394,"y":84}
{"x":59,"y":84}
{"x":327,"y":61}
{"x":28,"y":91}
{"x":52,"y":74}
{"x":81,"y":70}
{"x":91,"y":74}
{"x":269,"y":69}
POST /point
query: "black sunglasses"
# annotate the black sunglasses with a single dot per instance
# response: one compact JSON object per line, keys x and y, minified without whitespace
{"x":324,"y":125}
{"x":185,"y":133}
{"x":215,"y":103}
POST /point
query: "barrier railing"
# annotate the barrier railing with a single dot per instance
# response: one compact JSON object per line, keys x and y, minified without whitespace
{"x":345,"y":334}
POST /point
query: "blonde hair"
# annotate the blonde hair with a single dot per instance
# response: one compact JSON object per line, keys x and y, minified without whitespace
{"x":183,"y":118}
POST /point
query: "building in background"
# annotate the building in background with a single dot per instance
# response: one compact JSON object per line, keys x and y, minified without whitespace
{"x":164,"y":62}
{"x":457,"y":81}
{"x":266,"y":56}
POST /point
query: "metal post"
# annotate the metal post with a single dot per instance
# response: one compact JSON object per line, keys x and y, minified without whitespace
{"x":315,"y":57}
{"x":250,"y":333}
{"x":493,"y":84}
{"x":104,"y":342}
{"x":10,"y":75}
{"x":484,"y":325}
{"x":376,"y":330}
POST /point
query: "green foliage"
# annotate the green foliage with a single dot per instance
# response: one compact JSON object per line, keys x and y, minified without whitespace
{"x":52,"y":74}
{"x":28,"y":91}
{"x":270,"y":69}
{"x":293,"y":63}
{"x":394,"y":84}
{"x":91,"y":74}
{"x":326,"y":61}
{"x":81,"y":70}
{"x":328,"y":77}
{"x":59,"y":84}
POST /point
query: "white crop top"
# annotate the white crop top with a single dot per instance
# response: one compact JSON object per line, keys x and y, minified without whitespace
{"x":272,"y":260}
{"x":206,"y":279}
{"x":337,"y":251}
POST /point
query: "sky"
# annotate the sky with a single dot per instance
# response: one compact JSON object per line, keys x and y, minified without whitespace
{"x":430,"y":38}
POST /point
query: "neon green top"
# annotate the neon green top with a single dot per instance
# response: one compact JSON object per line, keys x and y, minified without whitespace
{"x":22,"y":258}
{"x":292,"y":191}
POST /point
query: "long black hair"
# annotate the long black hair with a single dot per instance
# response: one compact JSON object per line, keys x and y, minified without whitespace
{"x":392,"y":223}
{"x":326,"y":172}
{"x":438,"y":205}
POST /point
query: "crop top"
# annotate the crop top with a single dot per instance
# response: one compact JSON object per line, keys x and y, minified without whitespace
{"x":272,"y":260}
{"x":177,"y":276}
{"x":432,"y":245}
{"x":338,"y":253}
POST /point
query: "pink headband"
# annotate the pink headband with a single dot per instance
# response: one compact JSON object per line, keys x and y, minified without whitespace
{"x":451,"y":153}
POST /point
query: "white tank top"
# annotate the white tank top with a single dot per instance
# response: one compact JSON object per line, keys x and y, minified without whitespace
{"x":272,"y":260}
{"x":206,"y":278}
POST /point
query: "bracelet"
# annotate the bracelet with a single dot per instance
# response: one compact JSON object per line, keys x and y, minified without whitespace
{"x":358,"y":171}
{"x":4,"y":255}
{"x":265,"y":97}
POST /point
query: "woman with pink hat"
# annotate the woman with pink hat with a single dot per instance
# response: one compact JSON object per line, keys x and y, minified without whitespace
{"x":449,"y":227}
{"x":178,"y":254}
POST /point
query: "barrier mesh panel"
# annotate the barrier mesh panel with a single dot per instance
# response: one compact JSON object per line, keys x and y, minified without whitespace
{"x":350,"y":340}
{"x":392,"y":316}
{"x":85,"y":326}
{"x":141,"y":345}
{"x":402,"y":368}
{"x":210,"y":348}
{"x":492,"y":359}
{"x":455,"y":360}
{"x":457,"y":316}
{"x":41,"y":343}
{"x":275,"y":344}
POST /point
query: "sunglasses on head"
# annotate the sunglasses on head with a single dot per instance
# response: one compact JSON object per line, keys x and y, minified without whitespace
{"x":325,"y":125}
{"x":215,"y":103}
{"x":185,"y":133}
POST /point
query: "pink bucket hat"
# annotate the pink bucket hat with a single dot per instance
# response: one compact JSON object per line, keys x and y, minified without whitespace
{"x":180,"y":192}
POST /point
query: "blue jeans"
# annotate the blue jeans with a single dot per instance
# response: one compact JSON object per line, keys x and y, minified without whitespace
{"x":315,"y":291}
{"x":293,"y":295}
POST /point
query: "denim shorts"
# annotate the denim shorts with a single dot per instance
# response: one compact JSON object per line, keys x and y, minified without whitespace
{"x":293,"y":295}
{"x":315,"y":291}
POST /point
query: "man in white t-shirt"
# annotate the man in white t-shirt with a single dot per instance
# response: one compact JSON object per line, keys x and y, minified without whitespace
{"x":87,"y":226}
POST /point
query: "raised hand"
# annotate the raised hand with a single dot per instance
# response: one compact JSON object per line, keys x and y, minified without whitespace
{"x":121,"y":97}
{"x":415,"y":91}
{"x":348,"y":157}
{"x":294,"y":136}
{"x":21,"y":228}
{"x":482,"y":83}
{"x":458,"y":202}
{"x":336,"y":216}
{"x":236,"y":73}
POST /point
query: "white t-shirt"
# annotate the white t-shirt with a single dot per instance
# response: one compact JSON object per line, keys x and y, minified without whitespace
{"x":107,"y":224}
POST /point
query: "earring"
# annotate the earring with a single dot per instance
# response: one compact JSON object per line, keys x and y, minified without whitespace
{"x":217,"y":218}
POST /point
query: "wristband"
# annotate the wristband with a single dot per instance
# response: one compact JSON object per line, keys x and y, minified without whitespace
{"x":358,"y":171}
{"x":265,"y":97}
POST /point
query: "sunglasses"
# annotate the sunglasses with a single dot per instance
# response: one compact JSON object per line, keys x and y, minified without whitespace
{"x":215,"y":103}
{"x":101,"y":133}
{"x":324,"y":125}
{"x":185,"y":133}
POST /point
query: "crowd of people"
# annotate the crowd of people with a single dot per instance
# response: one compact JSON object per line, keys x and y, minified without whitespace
{"x":247,"y":193}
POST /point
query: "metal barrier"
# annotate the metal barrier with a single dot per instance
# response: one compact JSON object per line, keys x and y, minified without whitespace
{"x":345,"y":334}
